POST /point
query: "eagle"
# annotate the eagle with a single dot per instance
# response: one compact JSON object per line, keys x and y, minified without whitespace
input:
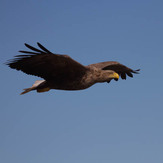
{"x":61,"y":72}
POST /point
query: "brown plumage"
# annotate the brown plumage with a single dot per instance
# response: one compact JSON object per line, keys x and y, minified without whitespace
{"x":64,"y":73}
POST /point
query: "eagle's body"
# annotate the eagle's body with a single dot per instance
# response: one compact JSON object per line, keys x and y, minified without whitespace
{"x":63,"y":73}
{"x":91,"y":76}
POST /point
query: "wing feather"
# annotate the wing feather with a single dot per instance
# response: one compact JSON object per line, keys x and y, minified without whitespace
{"x":32,"y":48}
{"x":47,"y":65}
{"x":43,"y":48}
{"x":121,"y":69}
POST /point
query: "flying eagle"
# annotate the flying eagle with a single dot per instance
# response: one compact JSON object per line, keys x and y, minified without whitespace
{"x":62,"y":72}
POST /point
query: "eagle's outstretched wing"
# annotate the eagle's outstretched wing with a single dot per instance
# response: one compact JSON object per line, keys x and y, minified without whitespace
{"x":122,"y":70}
{"x":47,"y":65}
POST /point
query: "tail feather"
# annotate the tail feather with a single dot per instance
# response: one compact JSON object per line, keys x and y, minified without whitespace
{"x":26,"y":90}
{"x":34,"y":87}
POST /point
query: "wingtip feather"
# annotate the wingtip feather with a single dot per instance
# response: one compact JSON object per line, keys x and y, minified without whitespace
{"x":136,"y":71}
{"x":43,"y":48}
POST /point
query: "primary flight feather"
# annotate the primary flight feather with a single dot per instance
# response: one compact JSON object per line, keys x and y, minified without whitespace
{"x":62,"y":72}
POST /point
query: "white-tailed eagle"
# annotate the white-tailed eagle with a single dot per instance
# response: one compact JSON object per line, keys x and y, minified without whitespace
{"x":62,"y":72}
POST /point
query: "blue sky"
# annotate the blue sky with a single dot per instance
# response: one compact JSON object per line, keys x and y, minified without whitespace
{"x":117,"y":122}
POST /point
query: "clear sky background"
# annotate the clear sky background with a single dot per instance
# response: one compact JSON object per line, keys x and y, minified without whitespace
{"x":120,"y":122}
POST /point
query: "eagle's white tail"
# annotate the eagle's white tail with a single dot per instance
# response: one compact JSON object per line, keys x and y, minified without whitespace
{"x":26,"y":90}
{"x":34,"y":87}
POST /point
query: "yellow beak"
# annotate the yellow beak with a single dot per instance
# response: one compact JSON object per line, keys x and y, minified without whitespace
{"x":114,"y":75}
